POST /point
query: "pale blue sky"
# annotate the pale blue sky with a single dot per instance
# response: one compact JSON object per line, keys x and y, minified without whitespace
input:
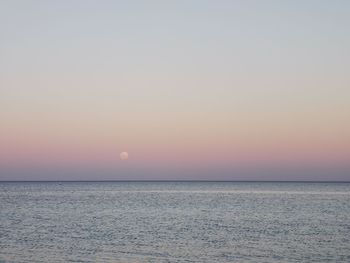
{"x":239,"y":77}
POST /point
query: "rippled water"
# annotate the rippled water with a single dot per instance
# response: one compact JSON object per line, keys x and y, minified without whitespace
{"x":174,"y":222}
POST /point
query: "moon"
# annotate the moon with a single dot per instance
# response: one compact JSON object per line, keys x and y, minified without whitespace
{"x":124,"y":156}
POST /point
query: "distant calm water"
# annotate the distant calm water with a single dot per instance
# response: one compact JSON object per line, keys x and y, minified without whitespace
{"x":174,"y":222}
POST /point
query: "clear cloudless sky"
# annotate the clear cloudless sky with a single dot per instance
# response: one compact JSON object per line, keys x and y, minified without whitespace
{"x":207,"y":90}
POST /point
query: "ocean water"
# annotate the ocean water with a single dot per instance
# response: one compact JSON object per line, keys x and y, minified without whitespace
{"x":174,"y":222}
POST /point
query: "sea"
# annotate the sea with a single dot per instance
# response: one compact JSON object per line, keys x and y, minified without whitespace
{"x":174,"y":222}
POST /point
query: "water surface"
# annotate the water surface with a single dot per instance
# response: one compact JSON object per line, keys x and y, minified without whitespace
{"x":174,"y":222}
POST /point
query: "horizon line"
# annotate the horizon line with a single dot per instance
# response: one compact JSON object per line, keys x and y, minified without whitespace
{"x":213,"y":181}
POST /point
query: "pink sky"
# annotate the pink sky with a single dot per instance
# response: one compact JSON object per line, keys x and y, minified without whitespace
{"x":232,"y":91}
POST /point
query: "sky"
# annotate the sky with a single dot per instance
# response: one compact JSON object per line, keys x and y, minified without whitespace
{"x":191,"y":90}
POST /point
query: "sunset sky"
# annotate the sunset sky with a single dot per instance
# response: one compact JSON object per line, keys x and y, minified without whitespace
{"x":191,"y":90}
